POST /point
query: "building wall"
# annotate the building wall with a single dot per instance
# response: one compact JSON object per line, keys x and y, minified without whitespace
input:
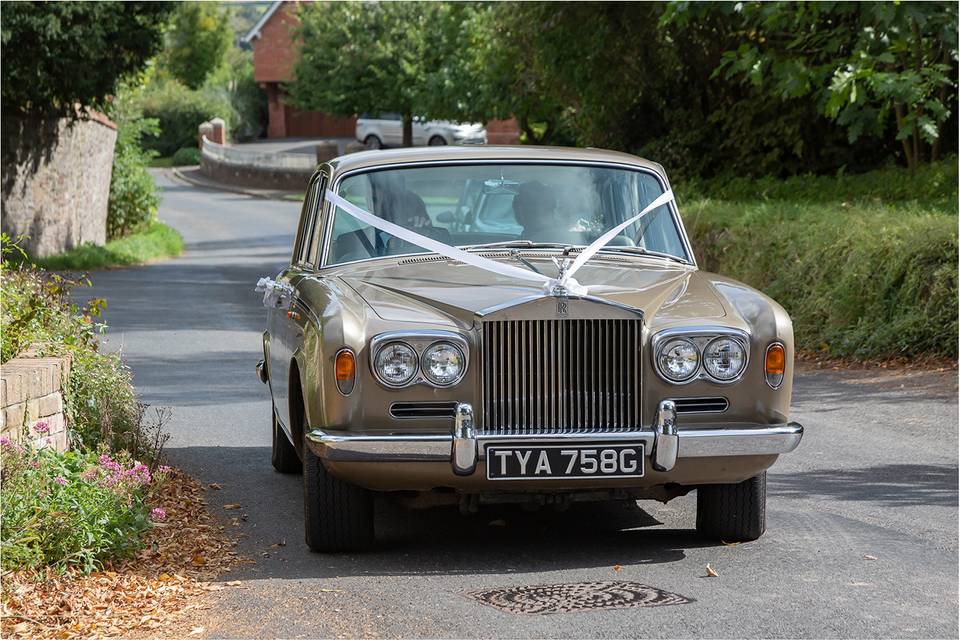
{"x":274,"y":53}
{"x":31,"y":393}
{"x":57,"y":200}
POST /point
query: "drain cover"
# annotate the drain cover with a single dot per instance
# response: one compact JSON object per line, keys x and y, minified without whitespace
{"x":576,"y":596}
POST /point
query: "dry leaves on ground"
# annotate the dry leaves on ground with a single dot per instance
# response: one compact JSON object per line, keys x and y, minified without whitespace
{"x":146,"y":593}
{"x":711,"y":572}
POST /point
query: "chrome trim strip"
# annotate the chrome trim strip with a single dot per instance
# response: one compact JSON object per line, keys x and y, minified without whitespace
{"x":706,"y":442}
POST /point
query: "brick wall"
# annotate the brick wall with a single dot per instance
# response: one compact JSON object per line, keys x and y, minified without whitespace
{"x":503,"y":132}
{"x":274,"y":53}
{"x":31,"y":392}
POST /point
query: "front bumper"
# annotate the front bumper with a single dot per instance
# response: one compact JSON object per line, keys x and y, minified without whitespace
{"x":463,"y":448}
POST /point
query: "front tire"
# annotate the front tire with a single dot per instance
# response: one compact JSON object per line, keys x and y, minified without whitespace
{"x":372,"y":142}
{"x":338,"y":516}
{"x":733,"y":512}
{"x":437,"y":141}
{"x":283,"y":454}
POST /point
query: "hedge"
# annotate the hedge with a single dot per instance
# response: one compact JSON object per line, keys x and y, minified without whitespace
{"x":859,"y":280}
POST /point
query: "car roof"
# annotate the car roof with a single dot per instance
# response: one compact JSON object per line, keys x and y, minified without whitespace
{"x":386,"y":157}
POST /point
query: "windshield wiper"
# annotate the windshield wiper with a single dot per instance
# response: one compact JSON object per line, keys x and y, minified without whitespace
{"x":516,"y":244}
{"x":640,"y":251}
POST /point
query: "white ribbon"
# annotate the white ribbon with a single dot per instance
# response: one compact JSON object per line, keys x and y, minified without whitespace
{"x":565,"y":279}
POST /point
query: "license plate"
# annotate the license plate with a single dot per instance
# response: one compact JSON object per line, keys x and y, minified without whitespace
{"x":564,"y":461}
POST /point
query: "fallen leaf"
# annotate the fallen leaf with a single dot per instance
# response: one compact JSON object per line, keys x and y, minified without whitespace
{"x":196,"y":631}
{"x":327,"y":590}
{"x":233,"y":583}
{"x":617,"y":568}
{"x":198,"y":560}
{"x":869,"y":557}
{"x":215,"y":486}
{"x":232,"y":505}
{"x":497,"y":523}
{"x":711,"y":573}
{"x":282,"y":543}
{"x":730,"y":544}
{"x":164,"y":577}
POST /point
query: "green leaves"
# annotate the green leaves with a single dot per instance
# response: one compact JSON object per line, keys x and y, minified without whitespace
{"x":198,"y":39}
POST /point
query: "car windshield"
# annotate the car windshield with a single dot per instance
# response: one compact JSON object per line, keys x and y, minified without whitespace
{"x":515,"y":204}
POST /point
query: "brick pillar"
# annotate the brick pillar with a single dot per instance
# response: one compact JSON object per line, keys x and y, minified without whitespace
{"x":219,"y":131}
{"x":276,"y":114}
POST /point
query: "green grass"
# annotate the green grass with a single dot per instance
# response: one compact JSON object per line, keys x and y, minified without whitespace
{"x":865,"y":265}
{"x":162,"y":162}
{"x":156,"y":242}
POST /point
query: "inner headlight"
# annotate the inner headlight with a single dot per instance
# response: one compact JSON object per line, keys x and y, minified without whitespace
{"x":396,"y":363}
{"x":678,"y":359}
{"x":724,"y":358}
{"x":442,"y":363}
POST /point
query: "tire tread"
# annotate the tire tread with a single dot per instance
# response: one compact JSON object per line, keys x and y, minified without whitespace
{"x":733,"y":512}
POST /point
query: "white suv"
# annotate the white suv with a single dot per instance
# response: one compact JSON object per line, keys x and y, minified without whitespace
{"x":386,"y":130}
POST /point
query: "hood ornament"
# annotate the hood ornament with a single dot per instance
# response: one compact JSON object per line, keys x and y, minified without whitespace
{"x":559,"y":288}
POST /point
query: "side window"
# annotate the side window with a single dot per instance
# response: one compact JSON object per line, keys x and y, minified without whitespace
{"x":310,"y":231}
{"x":320,"y":187}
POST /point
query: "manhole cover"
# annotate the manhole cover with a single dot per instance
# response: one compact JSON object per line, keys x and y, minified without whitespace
{"x":576,"y":596}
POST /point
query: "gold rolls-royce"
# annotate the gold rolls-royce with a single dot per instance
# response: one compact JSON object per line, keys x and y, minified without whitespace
{"x":523,"y":324}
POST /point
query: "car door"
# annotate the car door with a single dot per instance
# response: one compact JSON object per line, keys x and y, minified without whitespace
{"x":392,"y":126}
{"x":286,"y":318}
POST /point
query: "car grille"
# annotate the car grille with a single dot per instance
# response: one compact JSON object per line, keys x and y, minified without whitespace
{"x":561,"y":376}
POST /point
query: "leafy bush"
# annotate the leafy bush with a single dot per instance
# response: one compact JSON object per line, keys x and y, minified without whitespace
{"x":72,"y":509}
{"x":186,"y":156}
{"x":249,"y":101}
{"x":156,"y":241}
{"x":865,"y":280}
{"x":180,"y":111}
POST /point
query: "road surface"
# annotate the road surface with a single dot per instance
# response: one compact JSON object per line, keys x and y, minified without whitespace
{"x":862,"y":518}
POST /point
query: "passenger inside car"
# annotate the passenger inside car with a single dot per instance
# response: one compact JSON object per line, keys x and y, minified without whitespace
{"x":535,"y":208}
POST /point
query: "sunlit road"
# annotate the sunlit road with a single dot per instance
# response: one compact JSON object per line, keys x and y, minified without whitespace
{"x":862,"y":518}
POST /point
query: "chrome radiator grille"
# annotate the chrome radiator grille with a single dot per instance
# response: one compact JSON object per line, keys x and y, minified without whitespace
{"x":561,"y":376}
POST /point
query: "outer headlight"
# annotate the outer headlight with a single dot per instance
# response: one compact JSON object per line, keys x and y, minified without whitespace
{"x":678,"y":359}
{"x":724,"y":358}
{"x":442,"y":364}
{"x":396,"y":364}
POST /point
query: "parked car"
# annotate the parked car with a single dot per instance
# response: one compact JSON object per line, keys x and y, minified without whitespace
{"x":478,"y":370}
{"x":386,"y":130}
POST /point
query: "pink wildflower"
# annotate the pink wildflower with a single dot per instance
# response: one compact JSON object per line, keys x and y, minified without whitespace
{"x":163,"y":469}
{"x":109,"y":463}
{"x":157,"y":513}
{"x":41,"y":427}
{"x":60,"y":480}
{"x":5,"y":441}
{"x":90,"y":474}
{"x":35,"y":464}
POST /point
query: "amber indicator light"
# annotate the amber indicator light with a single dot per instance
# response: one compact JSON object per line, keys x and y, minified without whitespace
{"x":776,"y":360}
{"x":346,"y":366}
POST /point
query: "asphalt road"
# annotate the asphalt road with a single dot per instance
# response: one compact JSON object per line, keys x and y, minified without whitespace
{"x":862,"y":518}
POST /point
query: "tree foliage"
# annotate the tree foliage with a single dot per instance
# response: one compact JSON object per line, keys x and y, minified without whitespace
{"x":876,"y":68}
{"x":199,"y":37}
{"x":60,"y":54}
{"x":402,"y":57}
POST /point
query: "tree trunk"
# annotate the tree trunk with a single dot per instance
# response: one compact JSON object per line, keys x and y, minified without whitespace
{"x":407,"y":129}
{"x":907,"y":150}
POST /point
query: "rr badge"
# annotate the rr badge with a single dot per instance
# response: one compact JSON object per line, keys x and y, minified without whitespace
{"x":561,"y":307}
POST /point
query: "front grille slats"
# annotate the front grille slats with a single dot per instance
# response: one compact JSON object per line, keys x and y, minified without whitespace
{"x":561,"y":376}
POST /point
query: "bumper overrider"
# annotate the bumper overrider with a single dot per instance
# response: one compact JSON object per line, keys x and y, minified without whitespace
{"x":464,"y":448}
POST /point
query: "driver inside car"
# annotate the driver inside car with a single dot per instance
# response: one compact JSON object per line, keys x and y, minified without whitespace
{"x":535,"y":208}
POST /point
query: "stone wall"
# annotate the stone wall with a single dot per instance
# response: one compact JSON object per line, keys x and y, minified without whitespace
{"x":244,"y":168}
{"x":31,"y":393}
{"x":56,"y":182}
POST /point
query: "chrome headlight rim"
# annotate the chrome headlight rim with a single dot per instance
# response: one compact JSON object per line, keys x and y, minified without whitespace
{"x":376,"y":367}
{"x":424,"y":370}
{"x":419,"y":340}
{"x":663,"y":347}
{"x":701,"y":336}
{"x":717,"y":378}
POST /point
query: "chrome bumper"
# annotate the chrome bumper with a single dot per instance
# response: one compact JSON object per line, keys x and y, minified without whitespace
{"x":463,"y":448}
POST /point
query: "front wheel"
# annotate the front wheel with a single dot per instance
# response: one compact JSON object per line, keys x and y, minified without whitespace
{"x":733,"y":512}
{"x":338,"y":516}
{"x":437,"y":141}
{"x":283,"y":455}
{"x":372,"y":142}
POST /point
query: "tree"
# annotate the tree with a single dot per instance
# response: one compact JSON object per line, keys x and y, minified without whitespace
{"x":396,"y":57}
{"x":875,"y":68}
{"x":200,"y":35}
{"x":57,"y":55}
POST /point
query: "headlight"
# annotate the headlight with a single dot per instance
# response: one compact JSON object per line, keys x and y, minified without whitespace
{"x":396,"y":363}
{"x":678,"y":359}
{"x":724,"y":358}
{"x":442,"y":364}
